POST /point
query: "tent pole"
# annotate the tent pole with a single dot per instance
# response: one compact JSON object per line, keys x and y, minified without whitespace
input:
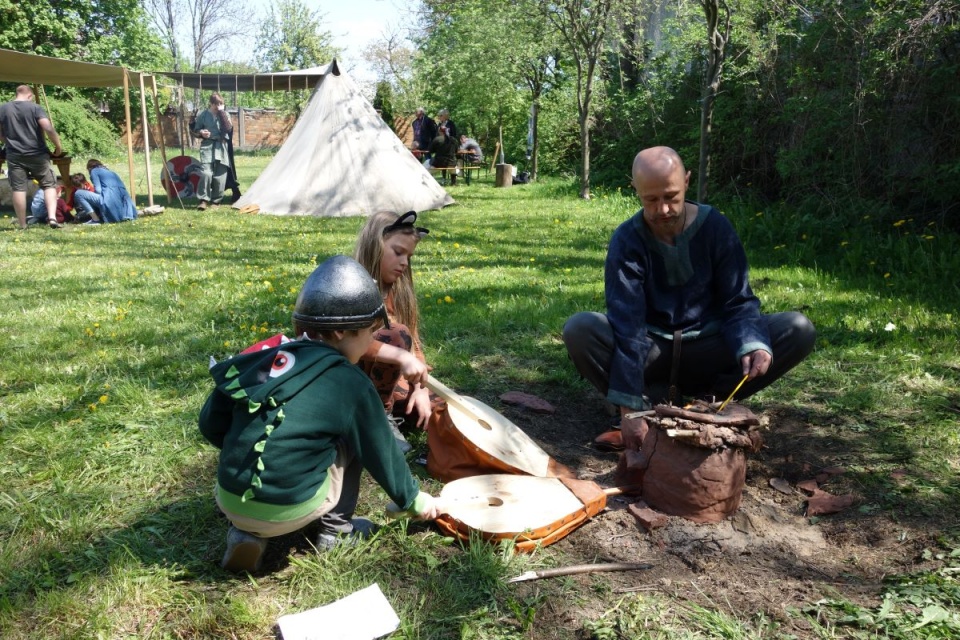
{"x":184,"y":136}
{"x":126,"y":108}
{"x":163,"y":138}
{"x":146,"y":140}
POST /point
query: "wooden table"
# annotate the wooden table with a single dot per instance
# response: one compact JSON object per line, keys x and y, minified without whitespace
{"x":468,"y":169}
{"x":63,"y":165}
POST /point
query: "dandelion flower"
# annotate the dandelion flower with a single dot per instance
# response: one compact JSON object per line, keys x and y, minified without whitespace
{"x":103,"y":399}
{"x":899,"y":223}
{"x":448,"y":299}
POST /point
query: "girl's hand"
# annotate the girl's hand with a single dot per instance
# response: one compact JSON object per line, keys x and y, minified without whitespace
{"x":413,"y":370}
{"x":420,"y":399}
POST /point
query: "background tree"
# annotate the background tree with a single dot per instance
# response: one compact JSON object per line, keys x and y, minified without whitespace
{"x":583,"y":25}
{"x":292,"y":37}
{"x":477,"y":57}
{"x":383,"y":101}
{"x":391,"y":58}
{"x":717,"y":14}
{"x":105,"y":32}
{"x":463,"y":66}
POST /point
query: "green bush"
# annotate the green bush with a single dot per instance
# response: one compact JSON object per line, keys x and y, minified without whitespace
{"x":83,"y":132}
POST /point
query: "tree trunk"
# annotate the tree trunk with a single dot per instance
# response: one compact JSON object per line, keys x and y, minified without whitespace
{"x":716,"y":41}
{"x":585,"y":156}
{"x":706,"y":127}
{"x":536,"y":140}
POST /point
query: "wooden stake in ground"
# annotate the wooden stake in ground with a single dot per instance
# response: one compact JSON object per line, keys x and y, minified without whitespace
{"x":581,"y":568}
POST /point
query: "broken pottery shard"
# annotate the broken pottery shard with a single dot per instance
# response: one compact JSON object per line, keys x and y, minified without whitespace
{"x":809,"y":486}
{"x":528,"y":402}
{"x":822,"y":503}
{"x":647,"y":517}
{"x":781,"y":485}
{"x":742,"y":522}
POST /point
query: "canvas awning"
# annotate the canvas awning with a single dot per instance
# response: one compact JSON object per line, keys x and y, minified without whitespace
{"x":28,"y":68}
{"x":34,"y":69}
{"x":279,"y":81}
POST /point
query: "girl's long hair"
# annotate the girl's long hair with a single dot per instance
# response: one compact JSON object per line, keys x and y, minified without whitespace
{"x":369,"y":253}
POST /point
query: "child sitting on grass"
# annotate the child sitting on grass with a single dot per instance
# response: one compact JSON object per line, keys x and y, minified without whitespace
{"x":298,"y":422}
{"x":38,"y":208}
{"x":79,"y":182}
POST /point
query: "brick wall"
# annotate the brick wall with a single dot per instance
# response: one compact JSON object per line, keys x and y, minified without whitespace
{"x":258,"y":129}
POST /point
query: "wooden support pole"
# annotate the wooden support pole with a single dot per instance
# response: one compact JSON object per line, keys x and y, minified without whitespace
{"x":146,"y":139}
{"x":126,"y":108}
{"x":163,"y":138}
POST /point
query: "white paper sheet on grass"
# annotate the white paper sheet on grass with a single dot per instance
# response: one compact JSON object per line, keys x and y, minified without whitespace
{"x":363,"y":615}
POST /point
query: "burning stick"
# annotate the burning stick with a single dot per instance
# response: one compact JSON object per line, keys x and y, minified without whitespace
{"x":730,"y":397}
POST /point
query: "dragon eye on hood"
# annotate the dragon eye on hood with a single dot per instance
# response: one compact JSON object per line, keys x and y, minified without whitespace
{"x":282,"y":363}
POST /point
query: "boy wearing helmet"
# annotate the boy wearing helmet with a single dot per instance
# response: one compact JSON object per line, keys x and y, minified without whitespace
{"x":296,"y":424}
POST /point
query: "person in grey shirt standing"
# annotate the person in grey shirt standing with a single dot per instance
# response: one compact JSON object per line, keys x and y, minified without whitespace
{"x":23,"y":124}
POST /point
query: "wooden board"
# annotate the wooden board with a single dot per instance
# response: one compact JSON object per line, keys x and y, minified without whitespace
{"x":492,"y":433}
{"x":508,"y":504}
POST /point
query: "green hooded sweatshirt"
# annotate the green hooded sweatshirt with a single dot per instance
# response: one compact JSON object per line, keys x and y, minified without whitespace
{"x":276,"y":415}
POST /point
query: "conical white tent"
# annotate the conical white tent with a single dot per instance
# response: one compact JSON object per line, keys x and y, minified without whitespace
{"x":341,"y":159}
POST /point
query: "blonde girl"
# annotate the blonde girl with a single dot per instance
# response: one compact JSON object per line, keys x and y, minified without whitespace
{"x":395,"y":361}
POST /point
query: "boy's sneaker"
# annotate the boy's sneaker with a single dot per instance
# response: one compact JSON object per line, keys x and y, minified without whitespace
{"x":244,"y":551}
{"x":395,"y":423}
{"x":362,"y":529}
{"x":92,"y":221}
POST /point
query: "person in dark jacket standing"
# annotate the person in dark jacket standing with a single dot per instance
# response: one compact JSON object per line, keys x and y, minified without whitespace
{"x":23,"y":124}
{"x":214,"y":128}
{"x":424,"y":130}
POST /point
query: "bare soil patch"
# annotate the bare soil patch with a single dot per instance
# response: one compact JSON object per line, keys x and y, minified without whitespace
{"x":767,"y":558}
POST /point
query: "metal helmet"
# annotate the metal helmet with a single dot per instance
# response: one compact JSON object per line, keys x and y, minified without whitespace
{"x":339,"y":294}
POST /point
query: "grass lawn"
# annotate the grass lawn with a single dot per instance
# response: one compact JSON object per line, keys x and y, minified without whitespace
{"x":107,"y":523}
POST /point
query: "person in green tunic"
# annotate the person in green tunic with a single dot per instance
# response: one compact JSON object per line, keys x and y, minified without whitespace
{"x":296,"y":424}
{"x":213,"y":127}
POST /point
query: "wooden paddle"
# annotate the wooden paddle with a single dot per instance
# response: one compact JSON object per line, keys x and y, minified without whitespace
{"x":532,"y":511}
{"x":492,"y":438}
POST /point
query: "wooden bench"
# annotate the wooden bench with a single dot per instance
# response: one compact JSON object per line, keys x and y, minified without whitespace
{"x":467,"y":169}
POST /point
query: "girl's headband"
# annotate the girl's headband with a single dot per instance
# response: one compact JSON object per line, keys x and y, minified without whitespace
{"x":406,"y":221}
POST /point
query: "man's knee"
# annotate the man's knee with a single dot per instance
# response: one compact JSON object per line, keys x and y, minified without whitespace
{"x":805,"y":334}
{"x":795,"y":332}
{"x":581,"y":329}
{"x":575,"y":327}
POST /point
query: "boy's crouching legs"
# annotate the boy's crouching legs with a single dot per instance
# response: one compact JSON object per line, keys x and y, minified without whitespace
{"x":338,"y":526}
{"x":244,"y":551}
